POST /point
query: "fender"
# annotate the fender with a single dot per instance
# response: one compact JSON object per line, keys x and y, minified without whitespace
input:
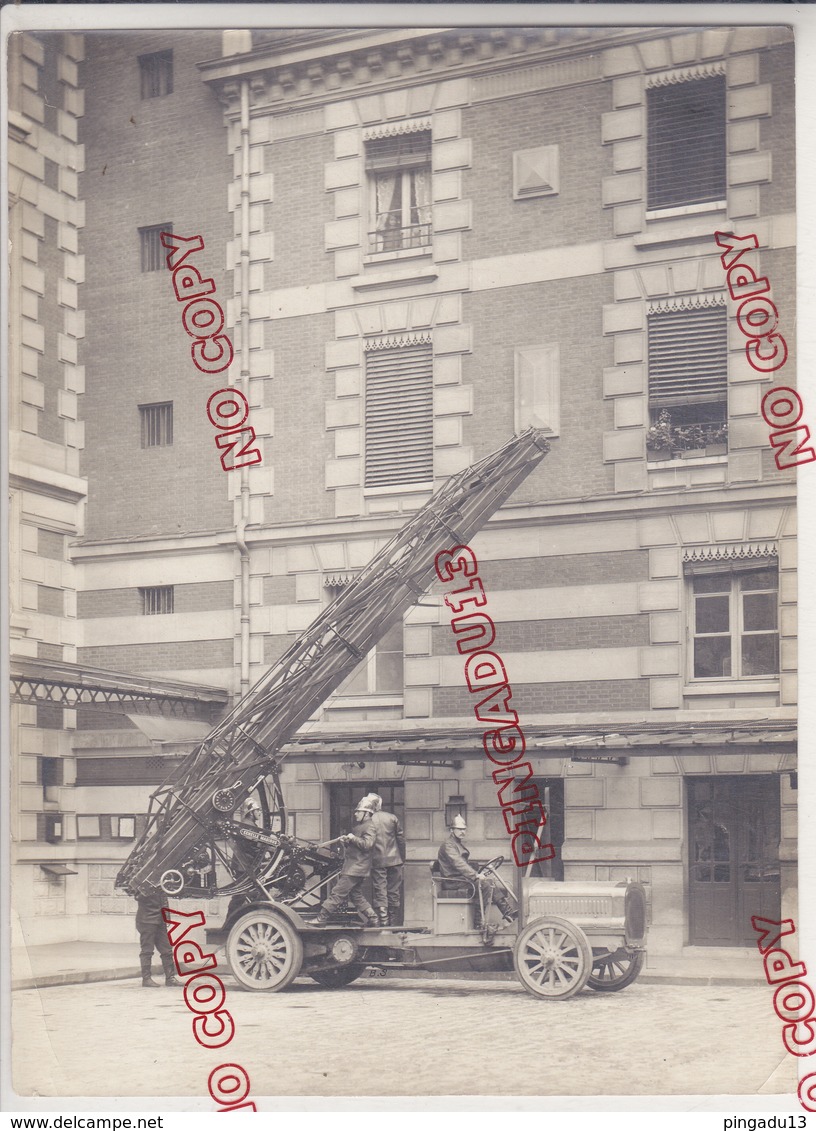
{"x":265,"y":905}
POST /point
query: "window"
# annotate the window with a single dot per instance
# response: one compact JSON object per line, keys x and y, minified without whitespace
{"x":156,"y":74}
{"x":88,"y":827}
{"x":686,"y":142}
{"x":157,"y":424}
{"x":551,"y":792}
{"x":123,"y":827}
{"x":153,"y":254}
{"x":688,"y":377}
{"x":157,"y":599}
{"x":735,"y":624}
{"x":399,"y":414}
{"x":381,"y":672}
{"x":399,"y":175}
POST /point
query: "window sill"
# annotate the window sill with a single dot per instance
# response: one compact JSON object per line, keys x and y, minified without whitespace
{"x":371,"y":700}
{"x":421,"y":273}
{"x":399,"y":489}
{"x":686,"y":210}
{"x":748,"y":686}
{"x":397,"y":256}
{"x":696,"y":461}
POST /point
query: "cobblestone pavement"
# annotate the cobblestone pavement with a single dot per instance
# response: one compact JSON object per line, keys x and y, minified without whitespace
{"x":386,"y":1037}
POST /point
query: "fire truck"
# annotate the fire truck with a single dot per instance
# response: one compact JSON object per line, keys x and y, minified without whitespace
{"x":217,"y":827}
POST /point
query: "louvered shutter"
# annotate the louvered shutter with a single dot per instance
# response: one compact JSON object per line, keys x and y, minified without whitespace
{"x":399,"y":415}
{"x":686,"y":142}
{"x":403,"y":151}
{"x":688,"y":356}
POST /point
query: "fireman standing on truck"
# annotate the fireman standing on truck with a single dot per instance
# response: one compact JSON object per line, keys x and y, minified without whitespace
{"x":387,"y":862}
{"x":358,"y":846}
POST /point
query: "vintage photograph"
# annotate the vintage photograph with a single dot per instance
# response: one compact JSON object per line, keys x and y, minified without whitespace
{"x":402,"y":527}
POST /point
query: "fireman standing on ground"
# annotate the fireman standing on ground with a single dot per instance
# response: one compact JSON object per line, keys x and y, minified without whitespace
{"x":358,"y":846}
{"x":153,"y":933}
{"x":387,"y":862}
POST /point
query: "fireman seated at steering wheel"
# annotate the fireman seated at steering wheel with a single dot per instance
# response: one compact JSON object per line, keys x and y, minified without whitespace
{"x":453,"y":863}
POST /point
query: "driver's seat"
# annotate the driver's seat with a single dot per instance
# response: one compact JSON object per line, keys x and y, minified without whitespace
{"x":454,"y":903}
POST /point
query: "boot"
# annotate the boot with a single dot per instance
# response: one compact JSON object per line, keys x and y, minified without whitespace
{"x":169,"y":965}
{"x":382,"y":915}
{"x":147,"y":981}
{"x":321,"y":920}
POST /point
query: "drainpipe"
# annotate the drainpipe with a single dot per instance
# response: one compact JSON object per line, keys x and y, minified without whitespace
{"x":240,"y":530}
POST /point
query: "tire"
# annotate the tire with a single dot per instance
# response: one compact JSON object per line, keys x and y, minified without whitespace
{"x":264,"y":951}
{"x":552,"y":958}
{"x":613,"y":972}
{"x":337,"y":976}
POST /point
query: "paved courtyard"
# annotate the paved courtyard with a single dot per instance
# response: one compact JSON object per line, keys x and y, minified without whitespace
{"x":388,"y":1037}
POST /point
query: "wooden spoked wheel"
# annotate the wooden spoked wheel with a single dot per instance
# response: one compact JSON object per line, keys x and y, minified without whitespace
{"x":613,"y":972}
{"x":553,"y":958}
{"x":264,"y":951}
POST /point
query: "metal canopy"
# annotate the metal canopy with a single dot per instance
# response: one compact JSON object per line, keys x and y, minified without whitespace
{"x":36,"y":682}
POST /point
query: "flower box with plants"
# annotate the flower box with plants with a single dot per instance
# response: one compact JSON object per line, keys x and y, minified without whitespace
{"x":665,"y":440}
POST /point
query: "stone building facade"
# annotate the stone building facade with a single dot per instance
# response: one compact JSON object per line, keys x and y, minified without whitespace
{"x":425,"y":241}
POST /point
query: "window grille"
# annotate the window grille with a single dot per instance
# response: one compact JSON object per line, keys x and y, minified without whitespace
{"x":686,"y":142}
{"x":735,"y":623}
{"x":153,"y":253}
{"x":399,"y":415}
{"x":157,"y":424}
{"x":399,"y":171}
{"x":688,"y":370}
{"x":156,"y":74}
{"x":157,"y":599}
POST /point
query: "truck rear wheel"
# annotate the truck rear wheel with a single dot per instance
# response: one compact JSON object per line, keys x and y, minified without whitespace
{"x":553,"y":958}
{"x":613,"y":972}
{"x":264,"y":951}
{"x":336,"y":976}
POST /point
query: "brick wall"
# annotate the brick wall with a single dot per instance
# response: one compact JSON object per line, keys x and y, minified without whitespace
{"x":777,"y":132}
{"x":168,"y":157}
{"x":196,"y":597}
{"x":557,"y":635}
{"x":565,"y":569}
{"x":537,"y":698}
{"x":160,"y":657}
{"x":300,"y":208}
{"x":569,"y":118}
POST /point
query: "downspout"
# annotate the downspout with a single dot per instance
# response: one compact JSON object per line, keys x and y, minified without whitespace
{"x":240,"y":529}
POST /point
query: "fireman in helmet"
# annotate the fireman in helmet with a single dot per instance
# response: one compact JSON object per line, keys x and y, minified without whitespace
{"x":453,"y":860}
{"x":358,"y":848}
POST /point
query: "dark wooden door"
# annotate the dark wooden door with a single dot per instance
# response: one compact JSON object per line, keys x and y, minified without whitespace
{"x":343,"y":797}
{"x":733,"y":857}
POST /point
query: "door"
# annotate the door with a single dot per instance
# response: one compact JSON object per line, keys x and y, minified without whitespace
{"x":343,"y":797}
{"x":733,"y":857}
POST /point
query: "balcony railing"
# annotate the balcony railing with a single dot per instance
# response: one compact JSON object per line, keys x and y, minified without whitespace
{"x":394,"y":236}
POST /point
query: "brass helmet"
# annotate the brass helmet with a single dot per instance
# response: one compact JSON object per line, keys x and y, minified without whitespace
{"x":375,"y":800}
{"x":459,"y":822}
{"x":365,"y":805}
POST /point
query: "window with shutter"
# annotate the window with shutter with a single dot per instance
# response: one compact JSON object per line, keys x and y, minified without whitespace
{"x":156,"y":74}
{"x":688,"y":375}
{"x":399,"y":176}
{"x":686,"y":142}
{"x":399,"y":413}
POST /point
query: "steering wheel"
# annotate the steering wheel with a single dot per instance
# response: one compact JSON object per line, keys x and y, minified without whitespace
{"x":496,"y":862}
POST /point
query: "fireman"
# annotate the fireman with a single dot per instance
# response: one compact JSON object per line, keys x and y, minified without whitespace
{"x":153,"y":933}
{"x":358,"y":846}
{"x":386,"y":864}
{"x":453,"y":860}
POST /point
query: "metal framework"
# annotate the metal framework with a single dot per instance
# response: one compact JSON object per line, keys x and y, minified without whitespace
{"x":191,"y":832}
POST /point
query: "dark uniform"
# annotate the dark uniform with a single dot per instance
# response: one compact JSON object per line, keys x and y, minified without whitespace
{"x":153,"y":934}
{"x":453,"y":860}
{"x":386,"y":867}
{"x":356,"y":866}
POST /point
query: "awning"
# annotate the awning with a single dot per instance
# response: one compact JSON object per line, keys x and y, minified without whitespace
{"x":59,"y":870}
{"x":161,"y":729}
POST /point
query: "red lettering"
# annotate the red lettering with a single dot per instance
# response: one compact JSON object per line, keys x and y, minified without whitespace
{"x":506,"y":776}
{"x":249,"y":1106}
{"x":457,"y":600}
{"x":216,"y":1040}
{"x":174,"y":242}
{"x":213,"y":364}
{"x":498,"y":710}
{"x":483,"y":670}
{"x":533,"y":814}
{"x":207,"y":993}
{"x":764,"y":930}
{"x":174,"y":917}
{"x":191,"y":959}
{"x":515,"y":746}
{"x":203,"y":318}
{"x":780,"y":967}
{"x":803,"y":1000}
{"x":741,"y":280}
{"x":792,"y":452}
{"x":768,"y":363}
{"x":782,"y":407}
{"x":227,"y":1079}
{"x":732,"y":252}
{"x":475,"y":628}
{"x":230,"y":402}
{"x":757,"y":318}
{"x":807,"y":1091}
{"x":230,"y":440}
{"x":791,"y":1041}
{"x":460,"y":559}
{"x":187,"y":283}
{"x":528,"y":849}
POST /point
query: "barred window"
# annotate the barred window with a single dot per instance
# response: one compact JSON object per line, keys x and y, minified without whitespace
{"x":157,"y":424}
{"x":152,"y":252}
{"x":157,"y":599}
{"x":688,"y":375}
{"x":736,"y":630}
{"x":399,"y":414}
{"x":399,"y":176}
{"x":686,"y":142}
{"x":156,"y":74}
